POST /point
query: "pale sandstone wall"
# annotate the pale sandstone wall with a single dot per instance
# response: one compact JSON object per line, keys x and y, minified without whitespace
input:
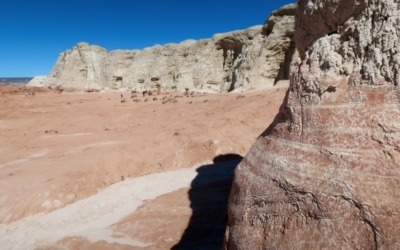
{"x":37,"y":81}
{"x":253,"y":58}
{"x":326,"y":173}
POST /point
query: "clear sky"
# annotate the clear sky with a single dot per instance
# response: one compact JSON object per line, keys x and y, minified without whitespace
{"x":34,"y":32}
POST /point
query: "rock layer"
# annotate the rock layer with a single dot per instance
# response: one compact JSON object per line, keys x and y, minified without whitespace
{"x":253,"y":58}
{"x":325,"y":174}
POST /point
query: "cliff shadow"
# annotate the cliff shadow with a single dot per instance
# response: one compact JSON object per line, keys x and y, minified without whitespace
{"x":209,"y":194}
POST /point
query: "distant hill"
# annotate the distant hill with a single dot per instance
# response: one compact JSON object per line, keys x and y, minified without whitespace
{"x":15,"y":81}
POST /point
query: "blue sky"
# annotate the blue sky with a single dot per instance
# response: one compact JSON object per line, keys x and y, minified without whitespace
{"x":34,"y":32}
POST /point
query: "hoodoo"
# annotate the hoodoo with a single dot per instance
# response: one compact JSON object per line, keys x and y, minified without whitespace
{"x":325,"y":174}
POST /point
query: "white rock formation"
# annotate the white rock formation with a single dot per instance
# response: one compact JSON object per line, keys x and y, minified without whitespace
{"x":360,"y":45}
{"x":253,"y":58}
{"x":37,"y":81}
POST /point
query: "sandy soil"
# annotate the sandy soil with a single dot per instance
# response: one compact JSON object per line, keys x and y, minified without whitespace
{"x":70,"y":164}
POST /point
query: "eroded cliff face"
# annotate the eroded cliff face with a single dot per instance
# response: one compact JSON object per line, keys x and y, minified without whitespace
{"x":325,"y":174}
{"x":37,"y":81}
{"x":253,"y":58}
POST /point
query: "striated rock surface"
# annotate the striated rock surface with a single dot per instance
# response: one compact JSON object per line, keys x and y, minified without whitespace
{"x":325,"y":174}
{"x":37,"y":81}
{"x":253,"y":58}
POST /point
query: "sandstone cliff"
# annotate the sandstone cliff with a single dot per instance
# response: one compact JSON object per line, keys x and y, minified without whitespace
{"x":325,"y":174}
{"x":37,"y":81}
{"x":253,"y":58}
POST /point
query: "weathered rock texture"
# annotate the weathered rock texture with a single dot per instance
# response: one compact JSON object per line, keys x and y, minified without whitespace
{"x":253,"y":58}
{"x":37,"y":81}
{"x":325,"y":174}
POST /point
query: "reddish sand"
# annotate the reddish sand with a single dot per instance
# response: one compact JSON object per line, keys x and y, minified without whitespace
{"x":57,"y":149}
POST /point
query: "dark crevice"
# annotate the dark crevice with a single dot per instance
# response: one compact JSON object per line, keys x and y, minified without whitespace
{"x":284,"y":71}
{"x":332,"y":33}
{"x":331,"y":89}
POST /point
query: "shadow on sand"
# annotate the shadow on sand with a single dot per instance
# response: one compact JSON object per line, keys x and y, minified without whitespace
{"x":209,"y":195}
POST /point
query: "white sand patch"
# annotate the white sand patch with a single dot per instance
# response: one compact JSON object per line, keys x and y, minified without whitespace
{"x":40,"y":154}
{"x":13,"y":162}
{"x":86,"y":217}
{"x":93,"y":145}
{"x":67,"y":135}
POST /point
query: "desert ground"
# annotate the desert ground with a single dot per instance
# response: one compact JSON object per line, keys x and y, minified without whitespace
{"x":86,"y":171}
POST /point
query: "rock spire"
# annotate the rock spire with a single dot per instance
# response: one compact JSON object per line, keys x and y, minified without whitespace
{"x":325,"y":174}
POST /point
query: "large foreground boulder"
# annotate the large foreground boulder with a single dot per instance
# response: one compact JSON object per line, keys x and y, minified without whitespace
{"x":325,"y":174}
{"x":256,"y":57}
